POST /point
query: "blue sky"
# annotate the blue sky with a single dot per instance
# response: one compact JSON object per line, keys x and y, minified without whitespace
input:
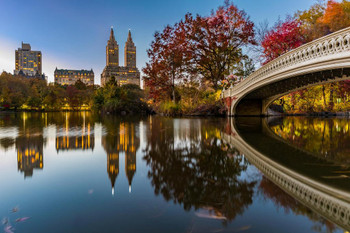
{"x":73,"y":34}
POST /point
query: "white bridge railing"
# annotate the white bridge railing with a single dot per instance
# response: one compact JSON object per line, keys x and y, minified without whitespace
{"x":312,"y":52}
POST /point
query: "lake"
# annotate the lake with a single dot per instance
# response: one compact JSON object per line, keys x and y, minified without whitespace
{"x":81,"y":172}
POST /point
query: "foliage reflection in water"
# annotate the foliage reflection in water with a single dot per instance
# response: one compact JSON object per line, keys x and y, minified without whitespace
{"x":327,"y":138}
{"x":174,"y":175}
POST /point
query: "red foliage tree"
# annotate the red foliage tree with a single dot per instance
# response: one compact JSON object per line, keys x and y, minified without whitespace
{"x":198,"y":47}
{"x":215,"y":42}
{"x":167,"y":62}
{"x":284,"y":37}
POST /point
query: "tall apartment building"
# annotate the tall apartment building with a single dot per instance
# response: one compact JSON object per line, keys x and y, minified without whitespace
{"x":70,"y":77}
{"x":28,"y":62}
{"x":127,"y":74}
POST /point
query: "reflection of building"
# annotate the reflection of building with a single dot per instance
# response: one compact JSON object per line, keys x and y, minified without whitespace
{"x":70,"y":77}
{"x":76,"y":134}
{"x":127,"y":74}
{"x":130,"y":167}
{"x":84,"y":142}
{"x":127,"y":139}
{"x":113,"y":168}
{"x":28,"y":62}
{"x":29,"y":156}
{"x":121,"y":138}
{"x":30,"y":143}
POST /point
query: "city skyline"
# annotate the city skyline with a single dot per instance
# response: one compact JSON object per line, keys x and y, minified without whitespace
{"x":69,"y":35}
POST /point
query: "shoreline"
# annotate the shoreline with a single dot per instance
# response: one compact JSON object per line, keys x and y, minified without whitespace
{"x":42,"y":111}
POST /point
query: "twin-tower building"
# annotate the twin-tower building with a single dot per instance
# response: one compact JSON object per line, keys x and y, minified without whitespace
{"x":127,"y":74}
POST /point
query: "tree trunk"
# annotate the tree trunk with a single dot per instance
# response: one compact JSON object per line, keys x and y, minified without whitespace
{"x":174,"y":101}
{"x":324,"y":96}
{"x":331,"y":103}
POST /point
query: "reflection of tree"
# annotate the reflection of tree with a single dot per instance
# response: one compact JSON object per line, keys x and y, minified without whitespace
{"x":198,"y":172}
{"x":7,"y":143}
{"x":323,"y":137}
{"x":8,"y":123}
{"x":121,"y":136}
{"x":281,"y":199}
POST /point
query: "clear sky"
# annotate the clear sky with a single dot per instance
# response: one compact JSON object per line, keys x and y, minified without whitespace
{"x":72,"y":34}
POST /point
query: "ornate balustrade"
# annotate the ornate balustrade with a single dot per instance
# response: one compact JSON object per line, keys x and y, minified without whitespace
{"x":328,"y":48}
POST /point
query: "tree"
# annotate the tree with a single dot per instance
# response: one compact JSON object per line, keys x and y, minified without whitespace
{"x":215,"y":42}
{"x":72,"y":95}
{"x":244,"y":68}
{"x":167,"y":62}
{"x":14,"y":91}
{"x":203,"y":48}
{"x":283,"y":37}
{"x":80,"y":85}
{"x":336,"y":16}
{"x":38,"y":91}
{"x":311,"y":27}
{"x":54,"y":99}
{"x":117,"y":99}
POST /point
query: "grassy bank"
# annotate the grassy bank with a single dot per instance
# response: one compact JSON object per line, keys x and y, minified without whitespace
{"x":191,"y":102}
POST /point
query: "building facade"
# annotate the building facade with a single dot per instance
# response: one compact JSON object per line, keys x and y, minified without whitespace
{"x":70,"y":77}
{"x":127,"y":74}
{"x":28,"y":62}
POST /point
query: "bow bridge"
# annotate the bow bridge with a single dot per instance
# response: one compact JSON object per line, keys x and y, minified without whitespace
{"x":324,"y":60}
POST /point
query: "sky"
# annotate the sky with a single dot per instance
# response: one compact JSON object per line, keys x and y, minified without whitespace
{"x":72,"y":34}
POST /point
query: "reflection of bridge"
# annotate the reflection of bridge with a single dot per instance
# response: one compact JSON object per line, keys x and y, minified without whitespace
{"x":324,"y":60}
{"x":329,"y":201}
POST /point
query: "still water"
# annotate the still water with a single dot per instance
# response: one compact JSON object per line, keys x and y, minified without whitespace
{"x":79,"y":172}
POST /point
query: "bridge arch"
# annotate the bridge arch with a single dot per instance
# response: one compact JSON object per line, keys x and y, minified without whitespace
{"x":324,"y":60}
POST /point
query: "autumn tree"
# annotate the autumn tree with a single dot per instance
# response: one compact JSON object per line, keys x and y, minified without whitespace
{"x":202,"y":48}
{"x":244,"y":68}
{"x":310,"y":21}
{"x":13,"y":91}
{"x":283,"y":37}
{"x":336,"y":16}
{"x":38,"y":91}
{"x":167,"y":62}
{"x":215,"y":42}
{"x":54,"y":100}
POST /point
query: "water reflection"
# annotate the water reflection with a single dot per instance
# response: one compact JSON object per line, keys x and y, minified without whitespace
{"x":310,"y":182}
{"x":219,"y":173}
{"x":327,"y":138}
{"x":281,"y":199}
{"x":120,"y":137}
{"x":74,"y":131}
{"x":30,"y":143}
{"x":190,"y":165}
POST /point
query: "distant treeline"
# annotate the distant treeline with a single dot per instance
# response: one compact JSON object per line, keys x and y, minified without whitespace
{"x":33,"y":94}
